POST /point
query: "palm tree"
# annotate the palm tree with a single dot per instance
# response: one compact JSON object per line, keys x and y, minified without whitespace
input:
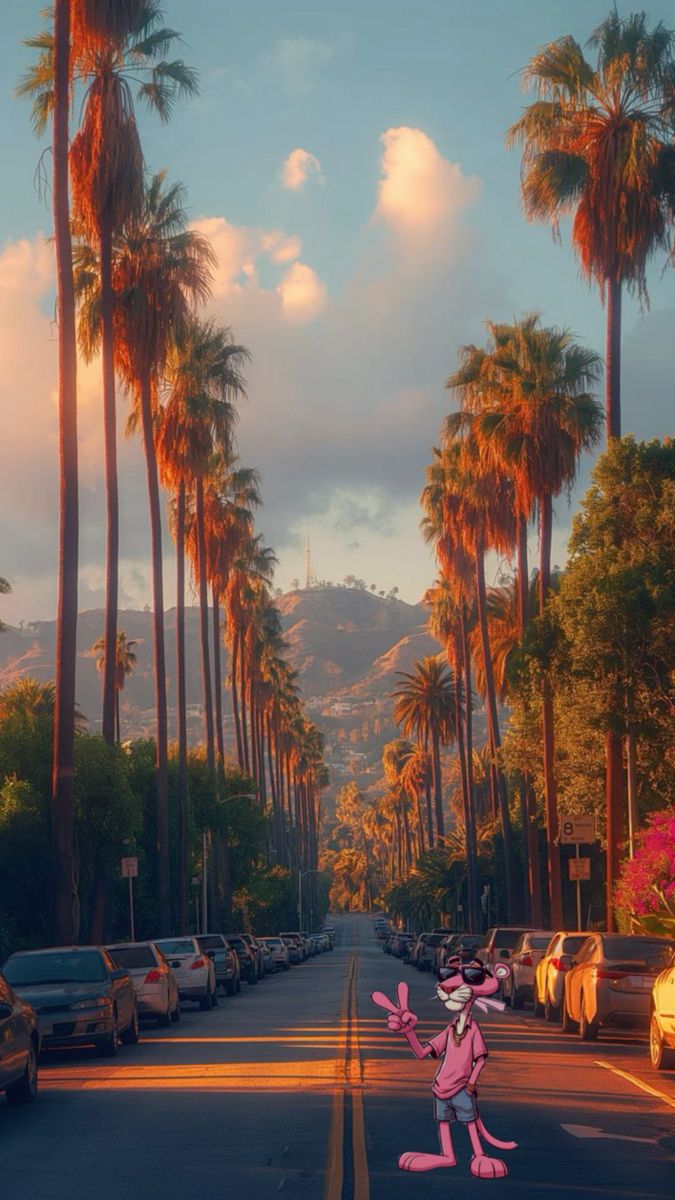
{"x":424,"y":707}
{"x":5,"y":590}
{"x":125,"y":662}
{"x":160,"y":268}
{"x":597,"y":143}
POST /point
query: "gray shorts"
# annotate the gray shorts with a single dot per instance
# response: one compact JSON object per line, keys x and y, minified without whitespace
{"x":460,"y":1107}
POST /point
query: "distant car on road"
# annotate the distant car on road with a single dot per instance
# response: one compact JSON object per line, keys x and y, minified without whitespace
{"x":299,"y":941}
{"x":279,"y":951}
{"x":194,"y":971}
{"x":499,"y":942}
{"x":248,"y":960}
{"x":426,"y":955}
{"x":662,"y":1020}
{"x":611,"y":982}
{"x":550,"y":971}
{"x":256,"y":951}
{"x":294,"y":949}
{"x":464,"y":946}
{"x":225,"y":961}
{"x":530,"y":947}
{"x":154,"y":982}
{"x":19,"y":1047}
{"x":80,"y":995}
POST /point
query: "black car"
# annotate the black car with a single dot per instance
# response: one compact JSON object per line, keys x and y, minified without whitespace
{"x":19,"y":1047}
{"x":248,"y":962}
{"x":80,"y":995}
{"x":225,"y":961}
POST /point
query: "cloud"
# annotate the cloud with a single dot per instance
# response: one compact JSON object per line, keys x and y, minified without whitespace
{"x":298,"y":62}
{"x":298,"y":168}
{"x":303,"y":295}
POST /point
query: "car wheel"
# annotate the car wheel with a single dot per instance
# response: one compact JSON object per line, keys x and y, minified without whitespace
{"x":175,"y":1013}
{"x":164,"y":1019}
{"x":588,"y":1030}
{"x":287,"y":966}
{"x":130,"y":1035}
{"x":567,"y":1024}
{"x":517,"y":998}
{"x":25,"y":1091}
{"x":238,"y":985}
{"x":551,"y":1011}
{"x":661,"y":1057}
{"x":539,"y":1008}
{"x":109,"y":1047}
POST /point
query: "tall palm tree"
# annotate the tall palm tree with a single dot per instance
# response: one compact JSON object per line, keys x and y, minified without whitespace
{"x":5,"y":590}
{"x":424,"y":707}
{"x":160,"y":269}
{"x":597,"y":144}
{"x":124,"y":664}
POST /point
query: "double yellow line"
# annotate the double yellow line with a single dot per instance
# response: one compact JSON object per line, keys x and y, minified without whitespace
{"x":348,"y":1084}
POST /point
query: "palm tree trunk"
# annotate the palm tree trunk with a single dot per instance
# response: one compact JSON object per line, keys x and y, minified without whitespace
{"x":202,"y":581}
{"x":242,"y":697}
{"x":118,"y":723}
{"x":234,"y":675}
{"x":438,"y":784}
{"x":613,"y":359}
{"x":469,"y":832}
{"x":63,"y":803}
{"x":527,"y":807}
{"x":164,"y":896}
{"x":523,"y":576}
{"x":111,"y":489}
{"x":468,"y":725}
{"x":427,"y":796}
{"x":615,"y":817}
{"x":491,"y":695}
{"x":181,"y":700}
{"x":218,"y":679}
{"x":548,"y":728}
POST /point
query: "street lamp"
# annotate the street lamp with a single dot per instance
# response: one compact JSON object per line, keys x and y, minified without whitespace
{"x":301,"y":876}
{"x":206,"y":833}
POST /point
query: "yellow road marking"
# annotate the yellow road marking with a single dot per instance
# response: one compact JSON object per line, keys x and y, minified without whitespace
{"x":638,"y":1082}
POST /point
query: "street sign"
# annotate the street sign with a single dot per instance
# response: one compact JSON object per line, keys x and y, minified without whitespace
{"x":577,"y":829}
{"x":580,"y":868}
{"x":129,"y":868}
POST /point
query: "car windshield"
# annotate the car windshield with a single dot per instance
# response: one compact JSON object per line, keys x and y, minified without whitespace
{"x":469,"y":943}
{"x":628,"y":949}
{"x":176,"y":946}
{"x":435,"y":939}
{"x":571,"y":944}
{"x":133,"y":956}
{"x":539,"y":943}
{"x":68,"y":966}
{"x":273,"y":942}
{"x":505,"y":939}
{"x":212,"y":942}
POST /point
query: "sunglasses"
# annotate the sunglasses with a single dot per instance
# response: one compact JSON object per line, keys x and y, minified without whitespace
{"x":472,"y":974}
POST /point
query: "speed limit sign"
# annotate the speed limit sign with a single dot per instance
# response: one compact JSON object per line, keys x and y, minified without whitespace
{"x":577,"y":830}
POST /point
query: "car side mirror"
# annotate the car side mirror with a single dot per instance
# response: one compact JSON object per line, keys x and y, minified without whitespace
{"x":6,"y":1010}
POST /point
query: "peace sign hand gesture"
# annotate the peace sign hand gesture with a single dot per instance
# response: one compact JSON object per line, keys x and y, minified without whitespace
{"x":400,"y":1019}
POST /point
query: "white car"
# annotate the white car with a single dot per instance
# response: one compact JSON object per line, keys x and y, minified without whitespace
{"x":530,"y":947}
{"x":279,"y":952}
{"x":662,"y":1020}
{"x":154,"y":982}
{"x":549,"y":975}
{"x":194,"y":971}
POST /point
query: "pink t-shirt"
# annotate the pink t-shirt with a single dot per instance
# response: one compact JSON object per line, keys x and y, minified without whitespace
{"x":457,"y":1060}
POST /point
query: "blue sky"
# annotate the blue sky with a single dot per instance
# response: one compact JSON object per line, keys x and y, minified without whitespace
{"x":354,"y":330}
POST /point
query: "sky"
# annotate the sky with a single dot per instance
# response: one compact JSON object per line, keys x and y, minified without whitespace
{"x":347,"y":162}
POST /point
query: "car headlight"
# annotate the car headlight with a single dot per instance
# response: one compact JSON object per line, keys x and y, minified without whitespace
{"x":94,"y":1002}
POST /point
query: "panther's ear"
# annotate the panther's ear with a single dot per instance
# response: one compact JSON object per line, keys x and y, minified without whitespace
{"x":502,"y":971}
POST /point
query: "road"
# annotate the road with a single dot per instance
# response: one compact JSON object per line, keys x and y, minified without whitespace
{"x":296,"y":1088}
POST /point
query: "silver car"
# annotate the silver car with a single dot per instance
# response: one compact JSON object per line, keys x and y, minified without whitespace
{"x":530,"y":947}
{"x":279,"y":951}
{"x":194,"y":971}
{"x":154,"y":982}
{"x":611,"y":982}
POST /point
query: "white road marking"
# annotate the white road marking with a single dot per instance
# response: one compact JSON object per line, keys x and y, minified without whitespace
{"x":590,"y":1131}
{"x":638,"y":1082}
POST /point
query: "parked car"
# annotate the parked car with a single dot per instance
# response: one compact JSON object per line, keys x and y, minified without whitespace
{"x":19,"y":1047}
{"x":662,"y":1020}
{"x":154,"y":982}
{"x":267,"y":957}
{"x":426,"y":955}
{"x":80,"y":995}
{"x":403,"y":946}
{"x":330,"y":930}
{"x":257,"y":953}
{"x":528,"y":950}
{"x":194,"y":971}
{"x":611,"y":982}
{"x":294,"y":949}
{"x":225,"y":961}
{"x":248,"y":960}
{"x":299,"y":941}
{"x":549,"y":974}
{"x":464,"y":946}
{"x":417,"y":948}
{"x":499,"y":942}
{"x":279,"y":951}
{"x":311,"y":948}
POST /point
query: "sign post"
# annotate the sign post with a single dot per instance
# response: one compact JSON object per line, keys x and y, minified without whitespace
{"x":575,"y":831}
{"x":129,"y":870}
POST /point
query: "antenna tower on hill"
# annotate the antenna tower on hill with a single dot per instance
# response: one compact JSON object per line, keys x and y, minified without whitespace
{"x":310,"y":577}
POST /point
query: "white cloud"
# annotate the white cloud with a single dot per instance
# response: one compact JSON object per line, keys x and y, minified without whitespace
{"x":298,"y":167}
{"x":303,"y":295}
{"x":298,"y":62}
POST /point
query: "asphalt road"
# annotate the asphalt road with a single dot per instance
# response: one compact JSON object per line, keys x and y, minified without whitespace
{"x":296,"y":1088}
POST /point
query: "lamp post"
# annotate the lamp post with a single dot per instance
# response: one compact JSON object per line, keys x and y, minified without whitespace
{"x":301,"y":876}
{"x":206,"y":837}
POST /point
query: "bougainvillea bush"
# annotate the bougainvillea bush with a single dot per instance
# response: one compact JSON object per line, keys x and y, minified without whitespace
{"x":646,"y":891}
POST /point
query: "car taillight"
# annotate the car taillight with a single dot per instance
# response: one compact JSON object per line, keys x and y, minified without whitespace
{"x":601,"y":973}
{"x":526,"y":960}
{"x":559,"y":965}
{"x":153,"y":976}
{"x":197,"y":964}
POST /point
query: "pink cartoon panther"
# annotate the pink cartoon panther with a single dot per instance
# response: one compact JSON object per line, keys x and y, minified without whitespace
{"x":463,"y":1054}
